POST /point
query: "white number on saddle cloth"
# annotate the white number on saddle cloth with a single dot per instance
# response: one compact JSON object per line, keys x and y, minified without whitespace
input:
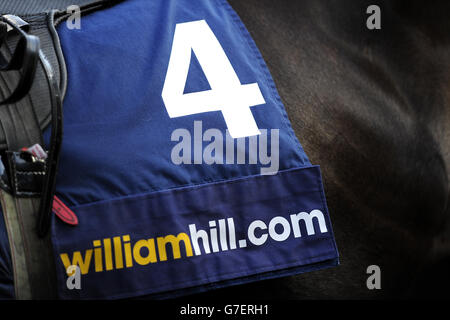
{"x":227,"y":94}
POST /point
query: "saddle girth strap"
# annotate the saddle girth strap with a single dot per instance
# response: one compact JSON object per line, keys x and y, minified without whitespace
{"x":31,"y":255}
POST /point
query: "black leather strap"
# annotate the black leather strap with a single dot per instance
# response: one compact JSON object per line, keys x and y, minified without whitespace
{"x":24,"y":59}
{"x":48,"y":191}
{"x":21,"y":174}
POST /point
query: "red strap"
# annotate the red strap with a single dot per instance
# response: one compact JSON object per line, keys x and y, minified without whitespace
{"x":63,"y":212}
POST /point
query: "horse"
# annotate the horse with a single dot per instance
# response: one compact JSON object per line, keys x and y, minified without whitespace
{"x":372,"y":107}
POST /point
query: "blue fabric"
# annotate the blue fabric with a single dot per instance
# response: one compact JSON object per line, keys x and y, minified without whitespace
{"x":117,"y":174}
{"x":6,"y":270}
{"x":171,"y":212}
{"x":116,"y":128}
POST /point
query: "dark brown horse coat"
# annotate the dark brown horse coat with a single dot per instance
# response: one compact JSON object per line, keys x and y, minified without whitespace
{"x":372,"y":107}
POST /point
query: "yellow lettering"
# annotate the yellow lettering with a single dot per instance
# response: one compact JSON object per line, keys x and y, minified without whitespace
{"x":151,"y":256}
{"x":108,"y":253}
{"x":77,"y":259}
{"x":127,"y":247}
{"x":98,"y":256}
{"x":118,"y":252}
{"x":175,"y":244}
{"x":128,"y":253}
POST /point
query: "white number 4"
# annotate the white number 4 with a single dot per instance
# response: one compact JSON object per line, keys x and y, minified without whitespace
{"x":227,"y":94}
